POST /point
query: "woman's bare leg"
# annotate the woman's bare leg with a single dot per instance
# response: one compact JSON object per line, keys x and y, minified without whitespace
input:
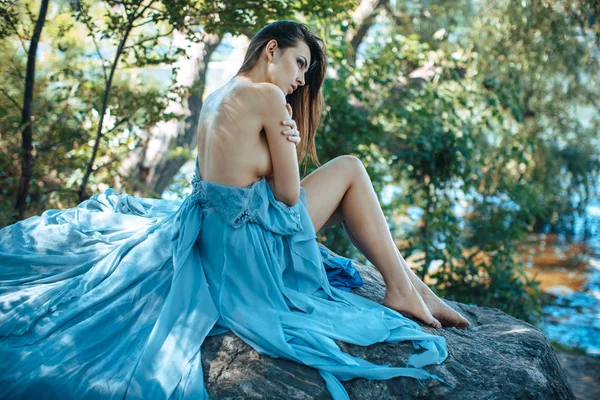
{"x":440,"y":310}
{"x":343,"y":182}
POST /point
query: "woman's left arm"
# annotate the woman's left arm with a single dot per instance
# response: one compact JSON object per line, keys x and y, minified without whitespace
{"x":293,"y":135}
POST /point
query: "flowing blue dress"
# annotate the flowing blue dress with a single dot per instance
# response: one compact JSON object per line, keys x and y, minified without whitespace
{"x":113,"y":298}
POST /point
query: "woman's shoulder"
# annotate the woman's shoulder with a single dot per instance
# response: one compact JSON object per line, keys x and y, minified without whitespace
{"x":253,"y":101}
{"x":262,"y":96}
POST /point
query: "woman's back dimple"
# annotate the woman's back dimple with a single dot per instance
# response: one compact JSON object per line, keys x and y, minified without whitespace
{"x":231,"y":149}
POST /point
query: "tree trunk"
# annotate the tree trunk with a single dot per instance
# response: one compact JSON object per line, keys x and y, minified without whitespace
{"x":363,"y":17}
{"x":163,"y":172}
{"x":154,"y":172}
{"x":107,"y":88}
{"x":27,"y":118}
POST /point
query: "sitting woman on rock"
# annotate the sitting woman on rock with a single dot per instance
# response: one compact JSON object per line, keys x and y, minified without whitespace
{"x":114,"y":297}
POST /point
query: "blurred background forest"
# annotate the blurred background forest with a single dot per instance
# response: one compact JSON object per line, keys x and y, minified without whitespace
{"x":478,"y":121}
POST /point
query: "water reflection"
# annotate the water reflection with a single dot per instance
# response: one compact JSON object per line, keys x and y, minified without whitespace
{"x":569,"y":272}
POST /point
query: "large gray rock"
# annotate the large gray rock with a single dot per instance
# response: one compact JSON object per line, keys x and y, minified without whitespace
{"x":498,"y":357}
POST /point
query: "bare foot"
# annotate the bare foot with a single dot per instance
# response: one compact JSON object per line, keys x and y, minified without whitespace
{"x":444,"y":312}
{"x":412,"y":304}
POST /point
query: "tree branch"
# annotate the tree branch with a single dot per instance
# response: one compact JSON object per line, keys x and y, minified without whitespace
{"x":92,"y":34}
{"x":136,"y":44}
{"x":124,"y":119}
{"x":141,"y":12}
{"x":106,"y":96}
{"x":12,"y":99}
{"x":6,"y":16}
{"x":58,"y":190}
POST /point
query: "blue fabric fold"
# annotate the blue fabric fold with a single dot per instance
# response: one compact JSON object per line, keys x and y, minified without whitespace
{"x":340,"y":272}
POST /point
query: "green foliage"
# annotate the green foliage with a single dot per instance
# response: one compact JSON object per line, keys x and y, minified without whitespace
{"x":484,"y":114}
{"x":480,"y":108}
{"x":92,"y":51}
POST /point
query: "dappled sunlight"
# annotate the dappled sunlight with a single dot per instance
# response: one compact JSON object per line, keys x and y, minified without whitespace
{"x":516,"y":329}
{"x":67,"y":340}
{"x":47,"y":370}
{"x":171,"y":354}
{"x":95,"y":284}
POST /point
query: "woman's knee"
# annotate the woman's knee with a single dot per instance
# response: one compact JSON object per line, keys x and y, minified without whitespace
{"x":351,"y":163}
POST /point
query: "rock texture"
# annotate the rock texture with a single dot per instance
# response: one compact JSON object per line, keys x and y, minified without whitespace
{"x":498,"y":357}
{"x":583,"y":373}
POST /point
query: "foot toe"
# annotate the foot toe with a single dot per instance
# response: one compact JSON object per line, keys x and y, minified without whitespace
{"x":463,"y":324}
{"x":436,"y":324}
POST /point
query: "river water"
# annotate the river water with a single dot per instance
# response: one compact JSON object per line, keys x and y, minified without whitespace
{"x":567,"y":265}
{"x":568,"y":268}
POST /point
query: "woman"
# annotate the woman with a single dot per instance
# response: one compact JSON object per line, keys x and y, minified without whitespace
{"x":338,"y":192}
{"x":114,"y":297}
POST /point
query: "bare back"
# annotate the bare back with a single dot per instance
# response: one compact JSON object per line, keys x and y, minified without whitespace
{"x":232,"y":146}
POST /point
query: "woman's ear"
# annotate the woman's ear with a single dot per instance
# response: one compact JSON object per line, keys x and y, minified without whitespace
{"x":271,"y":49}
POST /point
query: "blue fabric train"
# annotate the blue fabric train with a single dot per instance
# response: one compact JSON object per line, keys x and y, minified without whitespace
{"x":113,"y":298}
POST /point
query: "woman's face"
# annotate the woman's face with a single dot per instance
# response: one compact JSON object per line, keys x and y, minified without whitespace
{"x":287,"y":69}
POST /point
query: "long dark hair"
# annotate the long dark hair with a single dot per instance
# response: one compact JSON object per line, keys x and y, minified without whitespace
{"x":306,"y":101}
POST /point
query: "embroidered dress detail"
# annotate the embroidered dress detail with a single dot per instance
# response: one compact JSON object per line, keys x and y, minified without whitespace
{"x":241,"y":219}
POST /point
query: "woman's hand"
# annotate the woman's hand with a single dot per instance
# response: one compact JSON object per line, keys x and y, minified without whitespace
{"x":293,"y":135}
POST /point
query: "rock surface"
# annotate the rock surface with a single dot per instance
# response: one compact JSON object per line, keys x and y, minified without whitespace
{"x":583,"y":373}
{"x":498,"y":357}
